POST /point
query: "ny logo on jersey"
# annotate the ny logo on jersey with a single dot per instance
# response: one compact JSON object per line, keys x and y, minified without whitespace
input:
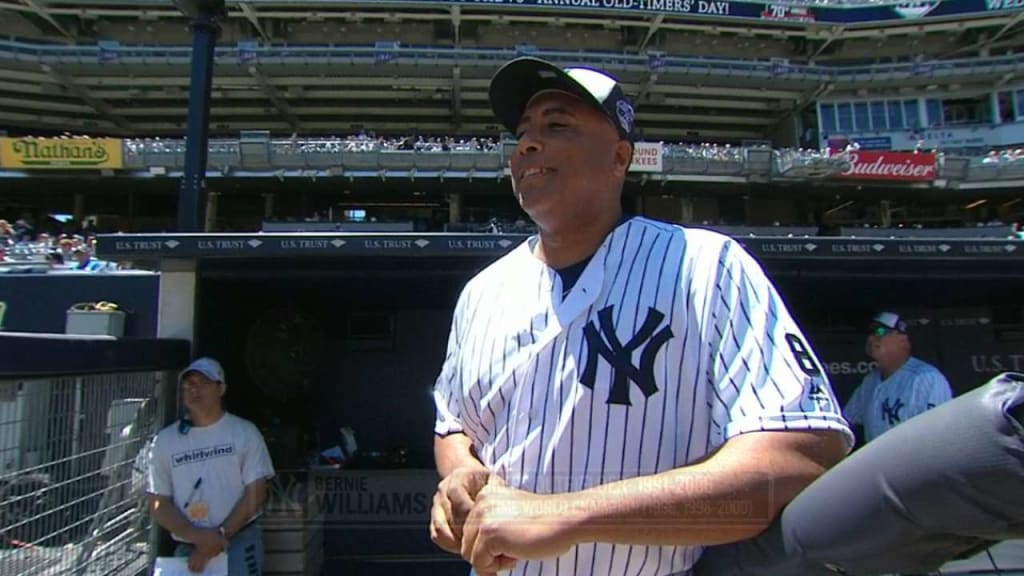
{"x":891,"y":412}
{"x":606,"y":344}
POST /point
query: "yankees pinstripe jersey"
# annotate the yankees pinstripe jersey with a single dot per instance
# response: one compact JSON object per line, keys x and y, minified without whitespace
{"x":671,"y":342}
{"x":880,"y":405}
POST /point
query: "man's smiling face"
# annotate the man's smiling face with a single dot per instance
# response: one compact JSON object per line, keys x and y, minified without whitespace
{"x":567,"y":151}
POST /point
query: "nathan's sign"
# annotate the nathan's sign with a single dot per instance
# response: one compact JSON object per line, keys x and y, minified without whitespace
{"x":60,"y":154}
{"x":898,"y":166}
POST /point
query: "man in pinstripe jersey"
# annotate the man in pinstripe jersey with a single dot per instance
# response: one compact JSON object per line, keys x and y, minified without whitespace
{"x":899,"y":387}
{"x":617,"y":393}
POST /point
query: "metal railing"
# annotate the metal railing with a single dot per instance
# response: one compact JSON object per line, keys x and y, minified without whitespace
{"x":72,"y":451}
{"x":339,"y":156}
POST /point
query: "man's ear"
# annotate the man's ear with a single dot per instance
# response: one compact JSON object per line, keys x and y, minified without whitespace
{"x":623,"y":157}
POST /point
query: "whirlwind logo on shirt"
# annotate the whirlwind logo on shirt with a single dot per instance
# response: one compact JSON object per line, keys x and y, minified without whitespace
{"x":202,"y":454}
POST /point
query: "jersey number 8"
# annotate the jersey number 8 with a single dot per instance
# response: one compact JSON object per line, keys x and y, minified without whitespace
{"x":803,"y":355}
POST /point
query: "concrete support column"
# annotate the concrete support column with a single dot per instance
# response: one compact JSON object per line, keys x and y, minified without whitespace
{"x":212,"y":200}
{"x":79,"y":210}
{"x":268,"y":206}
{"x":685,"y":210}
{"x":176,"y":303}
{"x":454,"y":207}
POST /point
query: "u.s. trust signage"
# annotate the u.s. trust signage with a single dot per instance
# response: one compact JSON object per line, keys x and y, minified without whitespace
{"x":60,"y":154}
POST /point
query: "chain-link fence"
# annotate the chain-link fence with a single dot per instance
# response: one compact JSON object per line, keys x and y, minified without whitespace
{"x":72,"y":453}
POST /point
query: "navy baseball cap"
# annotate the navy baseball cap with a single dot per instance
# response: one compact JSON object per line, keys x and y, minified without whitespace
{"x":518,"y":81}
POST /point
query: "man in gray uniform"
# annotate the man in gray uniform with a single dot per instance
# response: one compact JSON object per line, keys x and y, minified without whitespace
{"x":942,"y":486}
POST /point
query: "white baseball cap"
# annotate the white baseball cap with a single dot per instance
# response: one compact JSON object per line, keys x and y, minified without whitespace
{"x":891,"y":320}
{"x":207,"y":367}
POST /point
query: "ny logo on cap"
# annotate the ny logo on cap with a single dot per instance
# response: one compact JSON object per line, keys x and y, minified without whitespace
{"x":625,"y":113}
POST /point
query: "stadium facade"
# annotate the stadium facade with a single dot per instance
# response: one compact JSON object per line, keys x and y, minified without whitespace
{"x":292,"y":84}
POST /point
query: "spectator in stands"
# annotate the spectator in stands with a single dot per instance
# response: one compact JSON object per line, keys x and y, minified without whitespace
{"x":899,"y":387}
{"x":6,"y":233}
{"x":66,"y":246}
{"x":24,"y":231}
{"x":85,"y":261}
{"x":55,"y":259}
{"x":207,"y":479}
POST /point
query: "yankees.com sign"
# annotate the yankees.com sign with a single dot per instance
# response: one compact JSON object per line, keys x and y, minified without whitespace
{"x":893,"y":166}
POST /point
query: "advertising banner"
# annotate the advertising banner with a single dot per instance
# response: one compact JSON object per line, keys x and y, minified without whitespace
{"x":60,"y":154}
{"x":874,"y":143}
{"x":893,"y":166}
{"x":915,"y":10}
{"x":263,"y":245}
{"x":647,"y":157}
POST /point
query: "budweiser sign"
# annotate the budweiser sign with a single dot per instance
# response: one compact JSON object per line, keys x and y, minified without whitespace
{"x":901,"y":166}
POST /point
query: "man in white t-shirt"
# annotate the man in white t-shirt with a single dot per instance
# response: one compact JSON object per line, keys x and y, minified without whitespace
{"x":900,"y":387}
{"x":207,"y":477}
